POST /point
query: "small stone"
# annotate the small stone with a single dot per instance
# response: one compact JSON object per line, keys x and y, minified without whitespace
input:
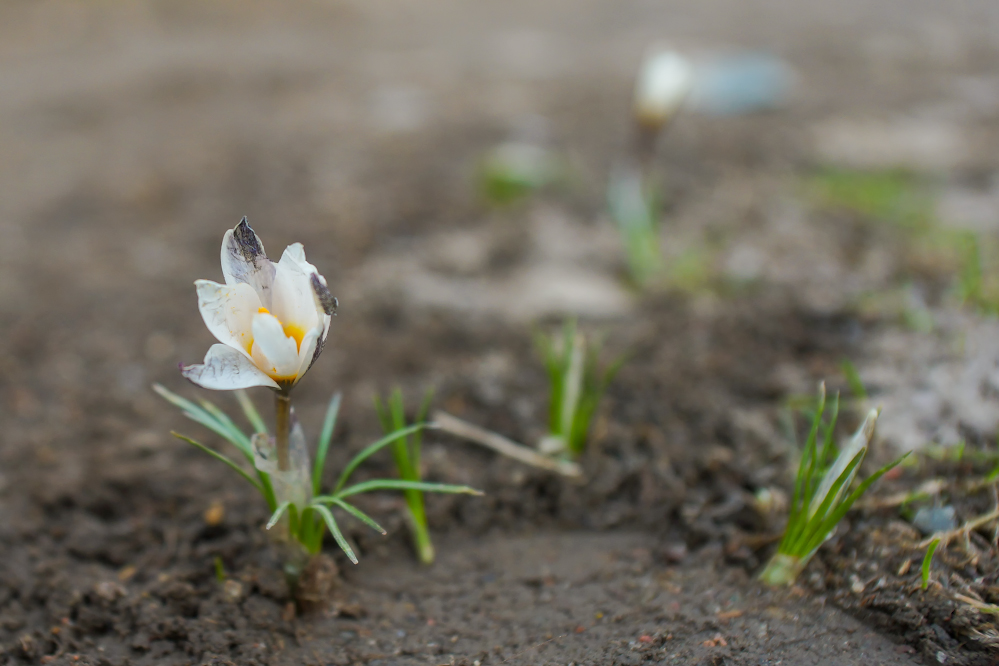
{"x":232,"y":591}
{"x":930,"y":520}
{"x":215,"y":513}
{"x":108,"y":590}
{"x":674,"y":553}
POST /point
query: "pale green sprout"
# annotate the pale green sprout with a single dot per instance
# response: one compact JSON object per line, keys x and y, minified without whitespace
{"x":513,"y":170}
{"x":295,"y":500}
{"x":822,"y":493}
{"x":637,"y":216}
{"x":664,"y":81}
{"x":927,"y":561}
{"x":406,"y":453}
{"x":577,"y":384}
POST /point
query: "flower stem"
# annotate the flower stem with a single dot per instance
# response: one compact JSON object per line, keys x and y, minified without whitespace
{"x":282,"y":428}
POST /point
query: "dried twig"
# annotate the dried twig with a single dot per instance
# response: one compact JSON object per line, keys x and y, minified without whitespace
{"x":504,"y":446}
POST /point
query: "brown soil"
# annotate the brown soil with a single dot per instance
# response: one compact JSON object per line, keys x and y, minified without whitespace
{"x":135,"y":134}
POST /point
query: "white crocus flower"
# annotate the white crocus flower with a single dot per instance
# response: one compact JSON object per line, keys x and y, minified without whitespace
{"x":270,"y":318}
{"x":663,"y":83}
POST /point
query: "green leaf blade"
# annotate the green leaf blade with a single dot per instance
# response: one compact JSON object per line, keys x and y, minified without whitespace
{"x":335,"y":531}
{"x":325,"y":437}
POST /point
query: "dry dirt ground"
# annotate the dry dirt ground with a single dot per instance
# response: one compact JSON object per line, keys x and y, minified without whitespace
{"x":133,"y":134}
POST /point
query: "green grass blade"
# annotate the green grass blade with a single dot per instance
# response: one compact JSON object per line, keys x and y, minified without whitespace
{"x":416,"y":445}
{"x":833,"y":519}
{"x":218,"y":456}
{"x":383,"y":415}
{"x":371,"y":449}
{"x":927,"y":560}
{"x":276,"y":516}
{"x":853,"y":379}
{"x":335,"y":531}
{"x":801,"y":498}
{"x":227,"y":423}
{"x":828,"y":439}
{"x":811,"y":446}
{"x":401,"y":484}
{"x":400,"y":448}
{"x":357,"y":513}
{"x":251,"y":413}
{"x":205,"y":418}
{"x":325,"y":437}
{"x":815,"y":520}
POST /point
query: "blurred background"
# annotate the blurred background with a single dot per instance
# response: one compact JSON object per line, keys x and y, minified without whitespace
{"x":132,"y":135}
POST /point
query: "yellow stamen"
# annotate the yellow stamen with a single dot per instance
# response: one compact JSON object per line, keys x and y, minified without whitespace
{"x":296,"y":332}
{"x":290,"y":330}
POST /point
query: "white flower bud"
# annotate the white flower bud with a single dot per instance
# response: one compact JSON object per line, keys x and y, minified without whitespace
{"x":663,"y":83}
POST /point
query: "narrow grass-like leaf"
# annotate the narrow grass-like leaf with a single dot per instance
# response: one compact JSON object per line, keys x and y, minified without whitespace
{"x":352,"y":510}
{"x":814,"y":521}
{"x":371,"y":449}
{"x":220,"y":575}
{"x":251,"y":413}
{"x":325,"y":437}
{"x":416,"y":442}
{"x":843,"y":507}
{"x":927,"y":560}
{"x":218,"y":456}
{"x":335,"y":531}
{"x":194,"y":412}
{"x":828,"y":439}
{"x":235,"y":433}
{"x":401,"y":484}
{"x":276,"y":516}
{"x":801,"y":498}
{"x":853,"y":379}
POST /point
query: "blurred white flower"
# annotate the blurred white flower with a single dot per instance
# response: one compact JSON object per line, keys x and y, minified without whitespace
{"x":663,"y":83}
{"x":271,"y":318}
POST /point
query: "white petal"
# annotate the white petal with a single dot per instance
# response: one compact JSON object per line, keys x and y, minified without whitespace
{"x":663,"y":83}
{"x":273,"y":351}
{"x":228,"y":312}
{"x":307,"y":354}
{"x":244,"y":261}
{"x":294,"y":301}
{"x":295,"y":254}
{"x":225,"y":369}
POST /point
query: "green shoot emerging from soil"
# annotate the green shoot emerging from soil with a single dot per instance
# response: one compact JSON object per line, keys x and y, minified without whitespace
{"x":576,"y":386}
{"x":821,"y":492}
{"x":927,"y":561}
{"x":293,"y":497}
{"x":636,"y":213}
{"x":406,"y":452}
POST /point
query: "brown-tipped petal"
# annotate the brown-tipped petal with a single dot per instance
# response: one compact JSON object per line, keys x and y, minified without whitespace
{"x":323,"y":296}
{"x":244,"y":261}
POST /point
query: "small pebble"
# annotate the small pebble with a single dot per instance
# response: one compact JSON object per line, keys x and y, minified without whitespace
{"x":929,"y":520}
{"x":232,"y":591}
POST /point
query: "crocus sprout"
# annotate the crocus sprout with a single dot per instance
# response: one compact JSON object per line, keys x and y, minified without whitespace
{"x":822,"y":493}
{"x":576,"y":387}
{"x":406,"y":453}
{"x":664,"y":81}
{"x":272,"y":320}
